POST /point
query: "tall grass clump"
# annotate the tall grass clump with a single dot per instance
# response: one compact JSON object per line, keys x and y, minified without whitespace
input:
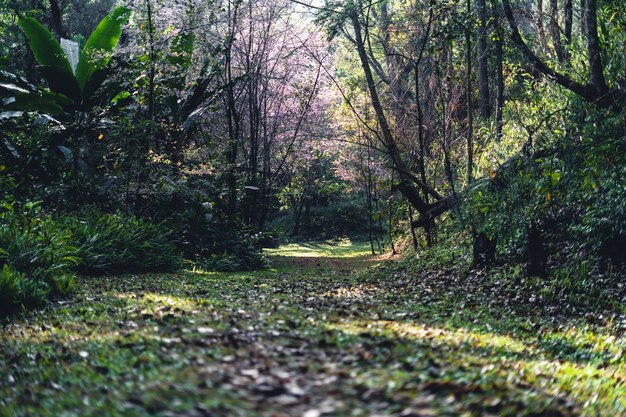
{"x":116,"y":243}
{"x":36,"y":257}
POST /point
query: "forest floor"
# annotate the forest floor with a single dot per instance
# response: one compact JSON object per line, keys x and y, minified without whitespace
{"x":327,"y":331}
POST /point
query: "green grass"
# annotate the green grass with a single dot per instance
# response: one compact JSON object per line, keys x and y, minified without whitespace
{"x":344,"y":248}
{"x":318,"y":332}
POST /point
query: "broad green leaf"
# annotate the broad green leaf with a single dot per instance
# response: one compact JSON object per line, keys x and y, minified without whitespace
{"x":72,"y":51}
{"x":181,"y":50}
{"x":12,"y":88}
{"x":39,"y":101}
{"x":51,"y":57}
{"x":97,"y":51}
{"x":94,"y":83}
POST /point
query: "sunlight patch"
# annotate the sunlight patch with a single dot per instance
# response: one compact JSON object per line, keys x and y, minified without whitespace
{"x":356,"y":292}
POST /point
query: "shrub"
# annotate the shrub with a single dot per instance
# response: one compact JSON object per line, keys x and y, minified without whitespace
{"x":602,"y":229}
{"x":114,"y":243}
{"x":227,"y":262}
{"x":36,"y":257}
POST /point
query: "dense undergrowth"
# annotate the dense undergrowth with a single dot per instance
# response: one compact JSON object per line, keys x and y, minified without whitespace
{"x":40,"y":253}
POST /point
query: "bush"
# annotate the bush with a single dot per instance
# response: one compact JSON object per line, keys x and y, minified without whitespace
{"x":115,"y":243}
{"x":241,"y":261}
{"x":236,"y":252}
{"x":36,"y":257}
{"x":602,"y":229}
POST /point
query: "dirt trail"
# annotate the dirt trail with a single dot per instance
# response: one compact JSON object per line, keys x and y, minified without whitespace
{"x":315,"y":335}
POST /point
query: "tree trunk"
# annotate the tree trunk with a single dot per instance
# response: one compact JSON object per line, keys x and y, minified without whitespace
{"x":57,"y":19}
{"x":483,"y":251}
{"x":499,"y":52}
{"x":536,"y":253}
{"x":152,"y":74}
{"x":583,"y":18}
{"x":232,"y":116}
{"x":596,"y":91}
{"x":469,"y":103}
{"x":555,"y":30}
{"x":541,"y":31}
{"x":420,"y":126}
{"x":405,"y":185}
{"x":483,"y":62}
{"x":412,"y":227}
{"x":297,"y":215}
{"x":596,"y":69}
{"x":569,"y":19}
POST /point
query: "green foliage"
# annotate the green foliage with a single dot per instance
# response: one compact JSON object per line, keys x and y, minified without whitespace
{"x":339,"y":219}
{"x":233,"y":251}
{"x":33,"y":158}
{"x":9,"y":289}
{"x":333,"y":16}
{"x":36,"y":257}
{"x":116,"y":243}
{"x":95,"y":56}
{"x":602,"y":228}
{"x":93,"y":60}
{"x":18,"y":96}
{"x":51,"y":57}
{"x":452,"y":252}
{"x":242,"y":259}
{"x":570,"y":187}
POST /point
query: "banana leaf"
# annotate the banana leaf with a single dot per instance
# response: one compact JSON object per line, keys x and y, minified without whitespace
{"x":38,"y":101}
{"x":51,"y":57}
{"x":97,"y":51}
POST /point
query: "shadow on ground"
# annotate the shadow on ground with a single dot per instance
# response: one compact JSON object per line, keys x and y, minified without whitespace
{"x":316,"y":335}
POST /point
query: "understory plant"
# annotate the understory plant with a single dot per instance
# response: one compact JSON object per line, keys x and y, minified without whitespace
{"x":117,"y":243}
{"x":36,"y":257}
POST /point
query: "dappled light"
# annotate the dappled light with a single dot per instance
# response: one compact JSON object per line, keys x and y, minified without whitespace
{"x":313,"y":208}
{"x":344,"y":248}
{"x":291,"y":340}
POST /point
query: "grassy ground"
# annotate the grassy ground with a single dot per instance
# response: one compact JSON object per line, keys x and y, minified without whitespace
{"x":317,"y":335}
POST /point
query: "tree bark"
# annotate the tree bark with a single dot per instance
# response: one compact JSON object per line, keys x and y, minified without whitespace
{"x":569,"y":19}
{"x":596,"y":69}
{"x":537,"y":256}
{"x":57,"y":19}
{"x":555,"y":30}
{"x":484,"y":103}
{"x":152,"y":62}
{"x":469,"y":103}
{"x":232,"y":115}
{"x":499,"y":52}
{"x":483,"y":250}
{"x":541,"y":31}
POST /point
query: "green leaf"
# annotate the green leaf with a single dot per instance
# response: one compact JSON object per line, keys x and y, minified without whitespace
{"x":182,"y":50}
{"x":46,"y":49}
{"x":39,"y":101}
{"x":51,"y":57}
{"x":12,"y":88}
{"x":97,"y":51}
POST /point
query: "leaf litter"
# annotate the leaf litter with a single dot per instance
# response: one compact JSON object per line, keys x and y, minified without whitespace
{"x":306,"y":339}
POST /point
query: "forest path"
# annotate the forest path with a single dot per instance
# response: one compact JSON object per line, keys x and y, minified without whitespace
{"x":318,"y":334}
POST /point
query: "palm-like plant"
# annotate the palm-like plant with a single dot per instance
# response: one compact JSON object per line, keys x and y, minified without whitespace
{"x":91,"y":71}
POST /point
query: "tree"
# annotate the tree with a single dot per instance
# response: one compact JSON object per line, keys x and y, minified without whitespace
{"x":596,"y":90}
